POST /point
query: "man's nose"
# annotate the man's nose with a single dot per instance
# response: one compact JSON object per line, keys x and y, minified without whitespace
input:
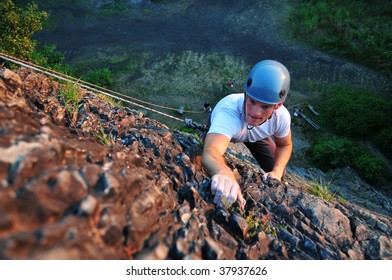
{"x":256,"y":111}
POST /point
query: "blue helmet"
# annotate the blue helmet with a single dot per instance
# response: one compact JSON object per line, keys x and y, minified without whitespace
{"x":268,"y":82}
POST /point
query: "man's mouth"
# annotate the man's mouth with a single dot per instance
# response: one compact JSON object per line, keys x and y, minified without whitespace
{"x":255,"y":119}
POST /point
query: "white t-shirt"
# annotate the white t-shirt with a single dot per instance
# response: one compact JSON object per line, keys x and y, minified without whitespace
{"x":228,"y":118}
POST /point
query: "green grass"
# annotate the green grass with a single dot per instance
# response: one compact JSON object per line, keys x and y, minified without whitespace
{"x":322,"y":189}
{"x":185,"y":79}
{"x":71,"y":97}
{"x":116,"y":8}
{"x":102,"y":136}
{"x":111,"y":100}
{"x":358,"y":30}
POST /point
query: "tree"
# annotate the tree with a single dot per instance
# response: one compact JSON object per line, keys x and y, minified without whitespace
{"x":17,"y":26}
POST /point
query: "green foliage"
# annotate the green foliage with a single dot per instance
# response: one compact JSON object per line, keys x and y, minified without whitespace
{"x":383,"y":140}
{"x":370,"y":167}
{"x":333,"y":152}
{"x":17,"y":26}
{"x":110,"y":100}
{"x":116,"y":8}
{"x":358,"y":30}
{"x":189,"y":130}
{"x":100,"y":77}
{"x":48,"y":57}
{"x":358,"y":114}
{"x":354,"y":115}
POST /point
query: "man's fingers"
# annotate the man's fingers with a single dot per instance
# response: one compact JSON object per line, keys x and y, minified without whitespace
{"x":220,"y":183}
{"x":271,"y":175}
{"x":217,"y":198}
{"x":225,"y":190}
{"x":265,"y":177}
{"x":234,"y":192}
{"x":214,"y":184}
{"x":219,"y":194}
{"x":241,"y":200}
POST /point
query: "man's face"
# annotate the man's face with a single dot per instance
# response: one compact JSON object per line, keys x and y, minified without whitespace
{"x":257,"y":112}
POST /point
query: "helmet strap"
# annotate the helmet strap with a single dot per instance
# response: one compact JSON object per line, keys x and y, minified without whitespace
{"x":266,"y":119}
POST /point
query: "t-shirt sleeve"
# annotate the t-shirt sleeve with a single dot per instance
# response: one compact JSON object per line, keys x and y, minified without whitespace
{"x":224,"y":122}
{"x":284,"y":124}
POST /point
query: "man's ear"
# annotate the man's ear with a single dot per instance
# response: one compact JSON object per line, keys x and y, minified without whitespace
{"x":277,"y":106}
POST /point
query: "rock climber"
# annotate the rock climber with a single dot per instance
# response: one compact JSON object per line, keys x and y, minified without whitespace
{"x":256,"y":117}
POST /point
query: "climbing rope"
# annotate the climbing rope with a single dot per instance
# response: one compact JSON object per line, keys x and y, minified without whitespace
{"x":101,"y":90}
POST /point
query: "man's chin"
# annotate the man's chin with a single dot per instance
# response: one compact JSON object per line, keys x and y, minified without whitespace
{"x":253,"y":122}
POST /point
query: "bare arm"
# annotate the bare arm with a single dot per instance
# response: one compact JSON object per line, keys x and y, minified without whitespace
{"x":215,"y":146}
{"x":284,"y":148}
{"x":224,"y":184}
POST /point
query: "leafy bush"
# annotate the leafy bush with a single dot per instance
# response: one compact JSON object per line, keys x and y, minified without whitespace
{"x":100,"y":77}
{"x":370,"y":167}
{"x":333,"y":152}
{"x":383,"y":140}
{"x":358,"y":114}
{"x":17,"y":26}
{"x":114,"y":8}
{"x":47,"y":56}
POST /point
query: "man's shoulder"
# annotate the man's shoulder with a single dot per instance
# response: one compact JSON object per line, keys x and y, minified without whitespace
{"x":230,"y":101}
{"x":230,"y":104}
{"x":233,"y":97}
{"x":226,"y":117}
{"x":283,"y":111}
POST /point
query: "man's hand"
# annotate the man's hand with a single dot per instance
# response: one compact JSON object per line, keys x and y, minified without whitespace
{"x":223,"y":186}
{"x":272,"y":175}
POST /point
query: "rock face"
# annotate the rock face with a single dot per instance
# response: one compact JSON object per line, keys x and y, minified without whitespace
{"x":143,"y":195}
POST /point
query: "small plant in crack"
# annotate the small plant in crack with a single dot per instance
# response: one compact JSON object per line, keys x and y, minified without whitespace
{"x":71,"y":97}
{"x":109,"y":99}
{"x":101,"y":134}
{"x":104,"y":138}
{"x":256,"y":220}
{"x":322,"y":189}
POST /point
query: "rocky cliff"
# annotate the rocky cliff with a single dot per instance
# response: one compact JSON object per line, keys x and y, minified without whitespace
{"x":143,"y":194}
